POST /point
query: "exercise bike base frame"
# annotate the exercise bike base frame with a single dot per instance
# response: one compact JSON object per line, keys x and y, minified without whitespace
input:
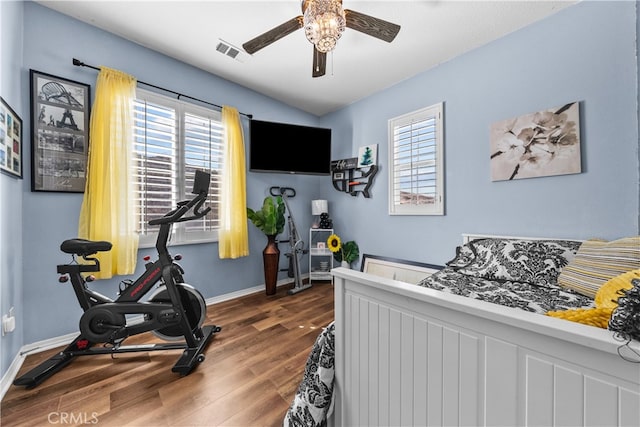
{"x":297,"y":289}
{"x":80,"y":346}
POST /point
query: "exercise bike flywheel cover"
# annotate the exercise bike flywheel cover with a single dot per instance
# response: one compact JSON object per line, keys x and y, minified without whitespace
{"x":194,"y":306}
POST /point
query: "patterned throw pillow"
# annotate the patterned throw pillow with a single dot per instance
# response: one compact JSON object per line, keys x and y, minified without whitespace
{"x":464,"y":256}
{"x":597,"y":261}
{"x":537,"y":262}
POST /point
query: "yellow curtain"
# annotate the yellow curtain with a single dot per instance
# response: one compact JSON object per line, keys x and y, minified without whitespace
{"x":107,"y":211}
{"x":233,"y":238}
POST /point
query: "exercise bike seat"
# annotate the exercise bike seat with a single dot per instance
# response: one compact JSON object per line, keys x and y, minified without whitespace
{"x":83,"y":247}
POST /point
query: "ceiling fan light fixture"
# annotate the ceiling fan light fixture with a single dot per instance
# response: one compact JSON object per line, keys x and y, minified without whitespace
{"x":324,"y":21}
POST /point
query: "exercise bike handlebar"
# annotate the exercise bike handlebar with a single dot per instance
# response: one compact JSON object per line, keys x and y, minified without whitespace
{"x":201,"y":189}
{"x":177,"y":214}
{"x":197,"y":213}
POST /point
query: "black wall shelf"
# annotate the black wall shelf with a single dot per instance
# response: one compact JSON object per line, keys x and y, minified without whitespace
{"x":347,"y":177}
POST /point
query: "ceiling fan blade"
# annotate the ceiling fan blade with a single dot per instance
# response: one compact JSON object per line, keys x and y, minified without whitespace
{"x":375,"y":27}
{"x":265,"y":39}
{"x":319,"y":63}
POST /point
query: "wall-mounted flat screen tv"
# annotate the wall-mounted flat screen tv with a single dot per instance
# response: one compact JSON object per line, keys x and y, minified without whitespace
{"x":287,"y":148}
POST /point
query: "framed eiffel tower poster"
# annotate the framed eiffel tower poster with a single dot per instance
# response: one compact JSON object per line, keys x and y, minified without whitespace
{"x":10,"y":141}
{"x":59,"y":133}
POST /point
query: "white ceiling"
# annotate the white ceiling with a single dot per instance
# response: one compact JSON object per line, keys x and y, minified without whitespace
{"x":432,"y":32}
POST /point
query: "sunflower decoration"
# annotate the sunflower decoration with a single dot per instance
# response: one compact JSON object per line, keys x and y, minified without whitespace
{"x":334,"y":243}
{"x":347,"y":251}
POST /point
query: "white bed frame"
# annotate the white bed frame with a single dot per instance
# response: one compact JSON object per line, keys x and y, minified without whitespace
{"x":408,"y":355}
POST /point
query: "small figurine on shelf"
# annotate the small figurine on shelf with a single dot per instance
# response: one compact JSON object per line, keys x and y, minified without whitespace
{"x":325,"y":221}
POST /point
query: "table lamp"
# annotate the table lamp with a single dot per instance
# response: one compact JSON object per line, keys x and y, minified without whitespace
{"x":318,"y":207}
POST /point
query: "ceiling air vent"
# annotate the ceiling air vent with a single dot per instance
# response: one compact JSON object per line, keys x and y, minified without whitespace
{"x":222,"y":48}
{"x":229,"y":50}
{"x":233,"y":52}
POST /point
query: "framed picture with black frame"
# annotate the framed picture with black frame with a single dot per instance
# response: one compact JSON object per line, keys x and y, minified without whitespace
{"x":59,"y":133}
{"x":10,"y":140}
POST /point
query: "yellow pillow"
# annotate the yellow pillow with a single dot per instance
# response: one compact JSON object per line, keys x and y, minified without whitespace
{"x":607,"y":295}
{"x":598,"y":317}
{"x":606,"y":301}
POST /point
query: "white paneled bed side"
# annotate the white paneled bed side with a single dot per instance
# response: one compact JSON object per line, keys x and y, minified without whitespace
{"x":408,"y":355}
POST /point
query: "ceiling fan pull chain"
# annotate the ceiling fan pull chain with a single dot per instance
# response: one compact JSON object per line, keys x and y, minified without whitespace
{"x":331,"y":63}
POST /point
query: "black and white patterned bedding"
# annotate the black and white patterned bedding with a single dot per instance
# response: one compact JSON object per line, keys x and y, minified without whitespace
{"x":522,"y":295}
{"x":516,"y":273}
{"x":313,"y":401}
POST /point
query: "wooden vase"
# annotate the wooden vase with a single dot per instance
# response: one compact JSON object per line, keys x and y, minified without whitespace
{"x":271,"y":259}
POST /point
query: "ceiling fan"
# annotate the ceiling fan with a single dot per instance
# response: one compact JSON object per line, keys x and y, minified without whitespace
{"x":323,"y":22}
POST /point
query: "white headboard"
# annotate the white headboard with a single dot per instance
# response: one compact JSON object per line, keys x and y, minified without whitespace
{"x":467,"y":237}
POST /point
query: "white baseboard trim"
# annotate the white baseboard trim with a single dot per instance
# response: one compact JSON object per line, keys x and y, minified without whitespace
{"x":9,"y":376}
{"x":49,"y":343}
{"x":248,"y":291}
{"x":232,"y":295}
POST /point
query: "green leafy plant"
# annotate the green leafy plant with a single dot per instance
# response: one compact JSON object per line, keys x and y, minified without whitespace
{"x":350,"y":251}
{"x":270,"y":218}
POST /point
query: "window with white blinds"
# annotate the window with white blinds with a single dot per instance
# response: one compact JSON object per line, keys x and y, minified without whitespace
{"x":172,"y":139}
{"x":416,"y":163}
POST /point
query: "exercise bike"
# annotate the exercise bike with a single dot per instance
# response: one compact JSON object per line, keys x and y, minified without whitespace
{"x":174,"y":310}
{"x":295,"y":242}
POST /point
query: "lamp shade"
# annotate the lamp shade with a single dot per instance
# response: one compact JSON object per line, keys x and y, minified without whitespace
{"x":319,"y":207}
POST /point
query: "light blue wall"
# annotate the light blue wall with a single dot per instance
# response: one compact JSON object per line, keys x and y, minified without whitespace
{"x":584,"y":53}
{"x":11,"y":188}
{"x":52,"y":40}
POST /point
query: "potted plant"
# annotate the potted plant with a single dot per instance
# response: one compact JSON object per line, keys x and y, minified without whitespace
{"x":270,"y":220}
{"x":345,"y":253}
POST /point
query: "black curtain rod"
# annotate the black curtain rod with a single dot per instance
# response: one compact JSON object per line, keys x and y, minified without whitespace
{"x":79,"y":63}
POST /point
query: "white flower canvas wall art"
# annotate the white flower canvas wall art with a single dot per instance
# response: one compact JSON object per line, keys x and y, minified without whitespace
{"x":538,"y":144}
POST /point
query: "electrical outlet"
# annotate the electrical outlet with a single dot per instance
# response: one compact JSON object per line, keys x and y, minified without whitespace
{"x":8,"y":323}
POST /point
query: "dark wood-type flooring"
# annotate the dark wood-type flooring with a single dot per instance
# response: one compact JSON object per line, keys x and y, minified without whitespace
{"x":250,"y":375}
